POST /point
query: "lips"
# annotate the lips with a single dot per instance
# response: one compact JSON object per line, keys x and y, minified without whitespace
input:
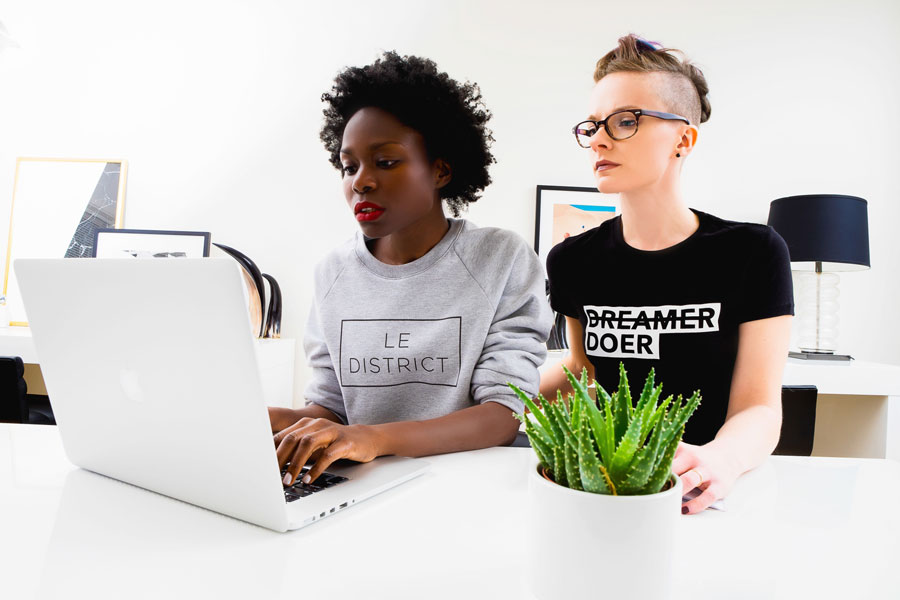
{"x":604,"y":165}
{"x":367,"y":211}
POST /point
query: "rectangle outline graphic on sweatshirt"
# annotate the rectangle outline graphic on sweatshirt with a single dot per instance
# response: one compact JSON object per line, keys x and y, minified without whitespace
{"x":458,"y":354}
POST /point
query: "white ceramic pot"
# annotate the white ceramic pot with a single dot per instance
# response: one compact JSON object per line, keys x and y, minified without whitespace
{"x":586,"y":545}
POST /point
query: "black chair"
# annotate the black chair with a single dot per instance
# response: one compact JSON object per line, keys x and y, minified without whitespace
{"x":798,"y":422}
{"x":16,"y":405}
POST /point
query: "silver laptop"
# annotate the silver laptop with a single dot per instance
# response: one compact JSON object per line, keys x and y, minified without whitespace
{"x":151,"y":370}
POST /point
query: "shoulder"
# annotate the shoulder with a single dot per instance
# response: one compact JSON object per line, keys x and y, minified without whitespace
{"x":737,"y":230}
{"x":750,"y":239}
{"x":494,"y":257}
{"x":330,"y":267}
{"x":476,"y":244}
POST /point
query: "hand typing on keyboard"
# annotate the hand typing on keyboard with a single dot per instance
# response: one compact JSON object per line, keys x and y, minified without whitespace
{"x":324,"y":442}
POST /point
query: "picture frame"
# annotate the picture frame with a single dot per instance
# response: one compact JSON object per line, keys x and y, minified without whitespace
{"x":57,"y":205}
{"x":564,"y":211}
{"x":150,"y":243}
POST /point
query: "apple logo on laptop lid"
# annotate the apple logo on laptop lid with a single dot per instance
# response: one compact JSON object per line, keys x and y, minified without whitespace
{"x":128,"y":379}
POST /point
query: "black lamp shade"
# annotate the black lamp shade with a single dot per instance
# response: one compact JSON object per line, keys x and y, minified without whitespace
{"x":826,"y":228}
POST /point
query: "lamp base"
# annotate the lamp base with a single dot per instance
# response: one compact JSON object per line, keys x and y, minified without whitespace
{"x":819,"y":356}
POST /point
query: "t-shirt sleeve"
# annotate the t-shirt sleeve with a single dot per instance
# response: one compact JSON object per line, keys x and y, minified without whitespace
{"x":514,"y":347}
{"x":323,"y":387}
{"x":768,"y":289}
{"x":561,"y":278}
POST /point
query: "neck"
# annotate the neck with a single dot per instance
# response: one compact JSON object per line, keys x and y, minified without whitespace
{"x":413,"y":241}
{"x":656,"y":217}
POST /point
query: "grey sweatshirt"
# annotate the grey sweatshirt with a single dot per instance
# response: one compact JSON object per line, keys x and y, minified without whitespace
{"x":417,"y":341}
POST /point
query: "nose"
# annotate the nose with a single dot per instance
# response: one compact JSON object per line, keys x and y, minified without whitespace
{"x":599,"y":139}
{"x":364,"y":180}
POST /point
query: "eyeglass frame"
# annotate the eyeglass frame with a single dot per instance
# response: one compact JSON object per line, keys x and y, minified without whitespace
{"x":638,"y":113}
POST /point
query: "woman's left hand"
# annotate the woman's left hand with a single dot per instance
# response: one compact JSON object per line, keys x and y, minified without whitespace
{"x":325,"y":441}
{"x":706,"y":467}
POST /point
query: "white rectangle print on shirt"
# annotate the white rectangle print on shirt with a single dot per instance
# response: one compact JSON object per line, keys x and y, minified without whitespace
{"x":634,"y":331}
{"x":389,"y":352}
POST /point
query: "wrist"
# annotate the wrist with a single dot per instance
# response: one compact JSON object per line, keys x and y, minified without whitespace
{"x":379,"y":441}
{"x":723,"y":448}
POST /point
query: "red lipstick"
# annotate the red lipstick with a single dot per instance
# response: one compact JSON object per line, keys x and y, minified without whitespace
{"x":367,"y":211}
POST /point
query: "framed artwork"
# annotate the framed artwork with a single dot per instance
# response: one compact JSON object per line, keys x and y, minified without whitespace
{"x":563,"y":211}
{"x":58,"y":205}
{"x":150,"y":243}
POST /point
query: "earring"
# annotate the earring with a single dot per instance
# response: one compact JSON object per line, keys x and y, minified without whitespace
{"x":678,"y":154}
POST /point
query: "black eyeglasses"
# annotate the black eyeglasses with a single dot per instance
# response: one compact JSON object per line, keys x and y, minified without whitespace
{"x":620,"y":125}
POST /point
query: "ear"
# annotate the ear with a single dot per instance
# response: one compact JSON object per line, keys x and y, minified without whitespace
{"x":442,"y":173}
{"x":688,"y":140}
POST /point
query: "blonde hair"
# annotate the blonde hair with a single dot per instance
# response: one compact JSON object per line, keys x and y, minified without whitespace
{"x":684,"y":91}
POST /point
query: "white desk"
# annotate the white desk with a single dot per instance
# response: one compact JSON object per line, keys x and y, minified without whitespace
{"x":795,"y":528}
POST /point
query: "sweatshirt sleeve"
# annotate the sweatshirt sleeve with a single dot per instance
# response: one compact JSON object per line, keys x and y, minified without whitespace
{"x":323,"y":387}
{"x":515,"y":344}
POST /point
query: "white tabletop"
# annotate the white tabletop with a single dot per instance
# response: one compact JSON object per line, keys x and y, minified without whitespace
{"x":794,"y":528}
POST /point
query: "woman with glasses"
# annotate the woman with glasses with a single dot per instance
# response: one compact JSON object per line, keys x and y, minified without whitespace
{"x":703,"y":301}
{"x":419,"y":321}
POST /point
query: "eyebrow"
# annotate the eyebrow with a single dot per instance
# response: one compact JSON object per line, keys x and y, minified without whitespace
{"x":374,"y":146}
{"x":618,"y":108}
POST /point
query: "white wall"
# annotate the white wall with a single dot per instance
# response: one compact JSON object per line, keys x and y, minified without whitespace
{"x":216,"y":107}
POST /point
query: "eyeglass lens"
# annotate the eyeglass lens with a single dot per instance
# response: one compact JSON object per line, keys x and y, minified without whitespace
{"x":619,"y":126}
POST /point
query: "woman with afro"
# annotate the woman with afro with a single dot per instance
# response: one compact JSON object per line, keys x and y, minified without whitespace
{"x":421,"y":319}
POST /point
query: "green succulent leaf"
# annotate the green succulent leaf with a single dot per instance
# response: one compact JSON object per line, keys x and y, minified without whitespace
{"x":591,"y":477}
{"x":642,"y":466}
{"x":542,"y":448}
{"x":555,"y":410}
{"x":570,"y":456}
{"x":598,"y":426}
{"x":559,"y":467}
{"x":647,"y":412}
{"x":663,"y":467}
{"x":625,"y":452}
{"x":537,"y":412}
{"x":648,"y":390}
{"x":622,"y":404}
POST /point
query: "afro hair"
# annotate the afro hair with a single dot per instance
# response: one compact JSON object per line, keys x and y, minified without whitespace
{"x":450,"y":116}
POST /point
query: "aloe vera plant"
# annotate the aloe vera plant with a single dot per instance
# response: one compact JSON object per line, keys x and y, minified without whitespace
{"x":612,"y":446}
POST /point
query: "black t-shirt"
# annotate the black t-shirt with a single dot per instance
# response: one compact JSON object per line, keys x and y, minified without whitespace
{"x":676,"y":310}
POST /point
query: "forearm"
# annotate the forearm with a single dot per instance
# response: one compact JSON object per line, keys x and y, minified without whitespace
{"x":482,"y":426}
{"x":554,"y":378}
{"x":749,"y":437}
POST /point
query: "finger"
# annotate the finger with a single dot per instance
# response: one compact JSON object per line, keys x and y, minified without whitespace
{"x":309,"y":443}
{"x":326,"y":458}
{"x":286,"y":441}
{"x":296,"y":425}
{"x":689,"y":480}
{"x":682,"y":462}
{"x":287,"y":444}
{"x":285,"y":448}
{"x":701,"y":502}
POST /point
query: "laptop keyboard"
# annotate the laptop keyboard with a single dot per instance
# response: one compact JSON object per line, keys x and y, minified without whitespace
{"x":302,"y":490}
